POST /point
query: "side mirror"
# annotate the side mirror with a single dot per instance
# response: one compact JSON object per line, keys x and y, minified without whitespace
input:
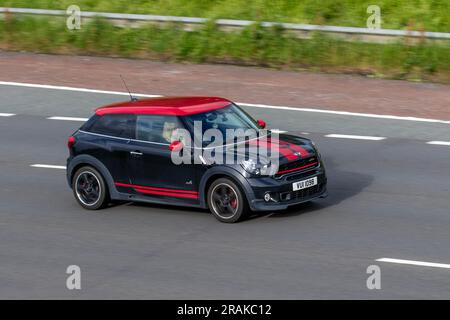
{"x":261,"y":123}
{"x":176,"y":146}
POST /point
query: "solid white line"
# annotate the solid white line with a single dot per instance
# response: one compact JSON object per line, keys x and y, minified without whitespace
{"x":45,"y":86}
{"x":346,"y":136}
{"x":48,"y":166}
{"x":345,"y":113}
{"x":415,"y":263}
{"x":68,"y":119}
{"x":440,"y":143}
{"x":7,"y":114}
{"x":253,"y":105}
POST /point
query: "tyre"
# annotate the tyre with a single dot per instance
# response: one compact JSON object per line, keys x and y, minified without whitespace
{"x":89,"y":188}
{"x":226,"y":201}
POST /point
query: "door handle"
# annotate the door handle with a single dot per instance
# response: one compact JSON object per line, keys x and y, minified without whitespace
{"x":136,"y":153}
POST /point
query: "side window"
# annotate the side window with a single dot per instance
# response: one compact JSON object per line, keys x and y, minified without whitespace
{"x":117,"y":125}
{"x":88,"y":124}
{"x":156,"y":128}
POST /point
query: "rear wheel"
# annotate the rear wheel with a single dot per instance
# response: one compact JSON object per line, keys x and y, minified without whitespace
{"x":89,"y":188}
{"x":226,"y":201}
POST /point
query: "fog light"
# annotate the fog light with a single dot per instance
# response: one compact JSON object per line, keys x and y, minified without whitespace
{"x":267,"y":197}
{"x":285,"y":196}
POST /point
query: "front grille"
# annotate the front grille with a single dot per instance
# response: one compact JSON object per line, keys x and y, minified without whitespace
{"x":294,"y":166}
{"x":298,"y":175}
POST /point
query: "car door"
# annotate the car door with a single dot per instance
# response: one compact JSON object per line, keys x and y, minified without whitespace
{"x":152,"y":171}
{"x":109,"y":141}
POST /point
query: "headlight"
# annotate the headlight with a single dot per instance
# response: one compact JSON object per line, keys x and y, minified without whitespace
{"x":258,"y":168}
{"x":319,"y":156}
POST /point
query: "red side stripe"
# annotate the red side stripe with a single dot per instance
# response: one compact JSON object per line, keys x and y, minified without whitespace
{"x":169,"y":194}
{"x":161,"y":191}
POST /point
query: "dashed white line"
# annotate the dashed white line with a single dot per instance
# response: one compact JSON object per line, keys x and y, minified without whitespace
{"x":68,"y":119}
{"x":277,"y":131}
{"x":254,"y":105}
{"x":415,"y":263}
{"x":48,"y":166}
{"x":7,"y":114}
{"x":439,"y":143}
{"x":346,"y":136}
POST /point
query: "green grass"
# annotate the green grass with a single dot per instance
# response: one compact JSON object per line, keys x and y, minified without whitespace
{"x":429,"y":15}
{"x":252,"y":46}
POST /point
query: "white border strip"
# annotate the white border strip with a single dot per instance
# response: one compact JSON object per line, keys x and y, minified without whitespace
{"x":68,"y":119}
{"x":48,"y":166}
{"x":7,"y":114}
{"x":346,"y":136}
{"x":253,"y":105}
{"x":415,"y":263}
{"x":439,"y":143}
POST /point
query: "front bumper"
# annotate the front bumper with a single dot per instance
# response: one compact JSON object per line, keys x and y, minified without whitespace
{"x":282,"y":194}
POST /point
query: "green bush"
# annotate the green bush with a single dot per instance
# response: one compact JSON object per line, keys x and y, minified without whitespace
{"x":253,"y":45}
{"x":430,"y":15}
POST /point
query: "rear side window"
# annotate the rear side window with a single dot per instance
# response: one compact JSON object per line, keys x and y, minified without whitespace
{"x":88,"y":124}
{"x":116,"y":125}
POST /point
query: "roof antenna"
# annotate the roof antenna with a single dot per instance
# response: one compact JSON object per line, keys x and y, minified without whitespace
{"x":131,"y":97}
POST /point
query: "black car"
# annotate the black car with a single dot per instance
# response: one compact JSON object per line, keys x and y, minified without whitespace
{"x":126,"y":152}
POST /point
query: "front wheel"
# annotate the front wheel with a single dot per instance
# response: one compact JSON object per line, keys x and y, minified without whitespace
{"x":89,"y":188}
{"x":226,"y":201}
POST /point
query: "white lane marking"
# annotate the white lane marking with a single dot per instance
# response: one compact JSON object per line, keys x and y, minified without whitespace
{"x":346,"y":136}
{"x":346,"y":113}
{"x":45,"y":86}
{"x":68,"y":119}
{"x":7,"y":114}
{"x":440,"y":143}
{"x":277,"y":131}
{"x":48,"y":166}
{"x":254,"y":105}
{"x":415,"y":263}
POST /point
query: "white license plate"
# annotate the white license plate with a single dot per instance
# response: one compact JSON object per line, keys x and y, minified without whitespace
{"x":299,"y":185}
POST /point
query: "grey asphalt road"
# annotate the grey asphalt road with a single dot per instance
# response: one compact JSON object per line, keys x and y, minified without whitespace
{"x":387,"y":198}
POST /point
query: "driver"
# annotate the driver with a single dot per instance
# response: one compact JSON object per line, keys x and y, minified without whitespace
{"x":169,"y":131}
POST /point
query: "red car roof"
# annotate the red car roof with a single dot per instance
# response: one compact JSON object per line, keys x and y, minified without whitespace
{"x":179,"y":106}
